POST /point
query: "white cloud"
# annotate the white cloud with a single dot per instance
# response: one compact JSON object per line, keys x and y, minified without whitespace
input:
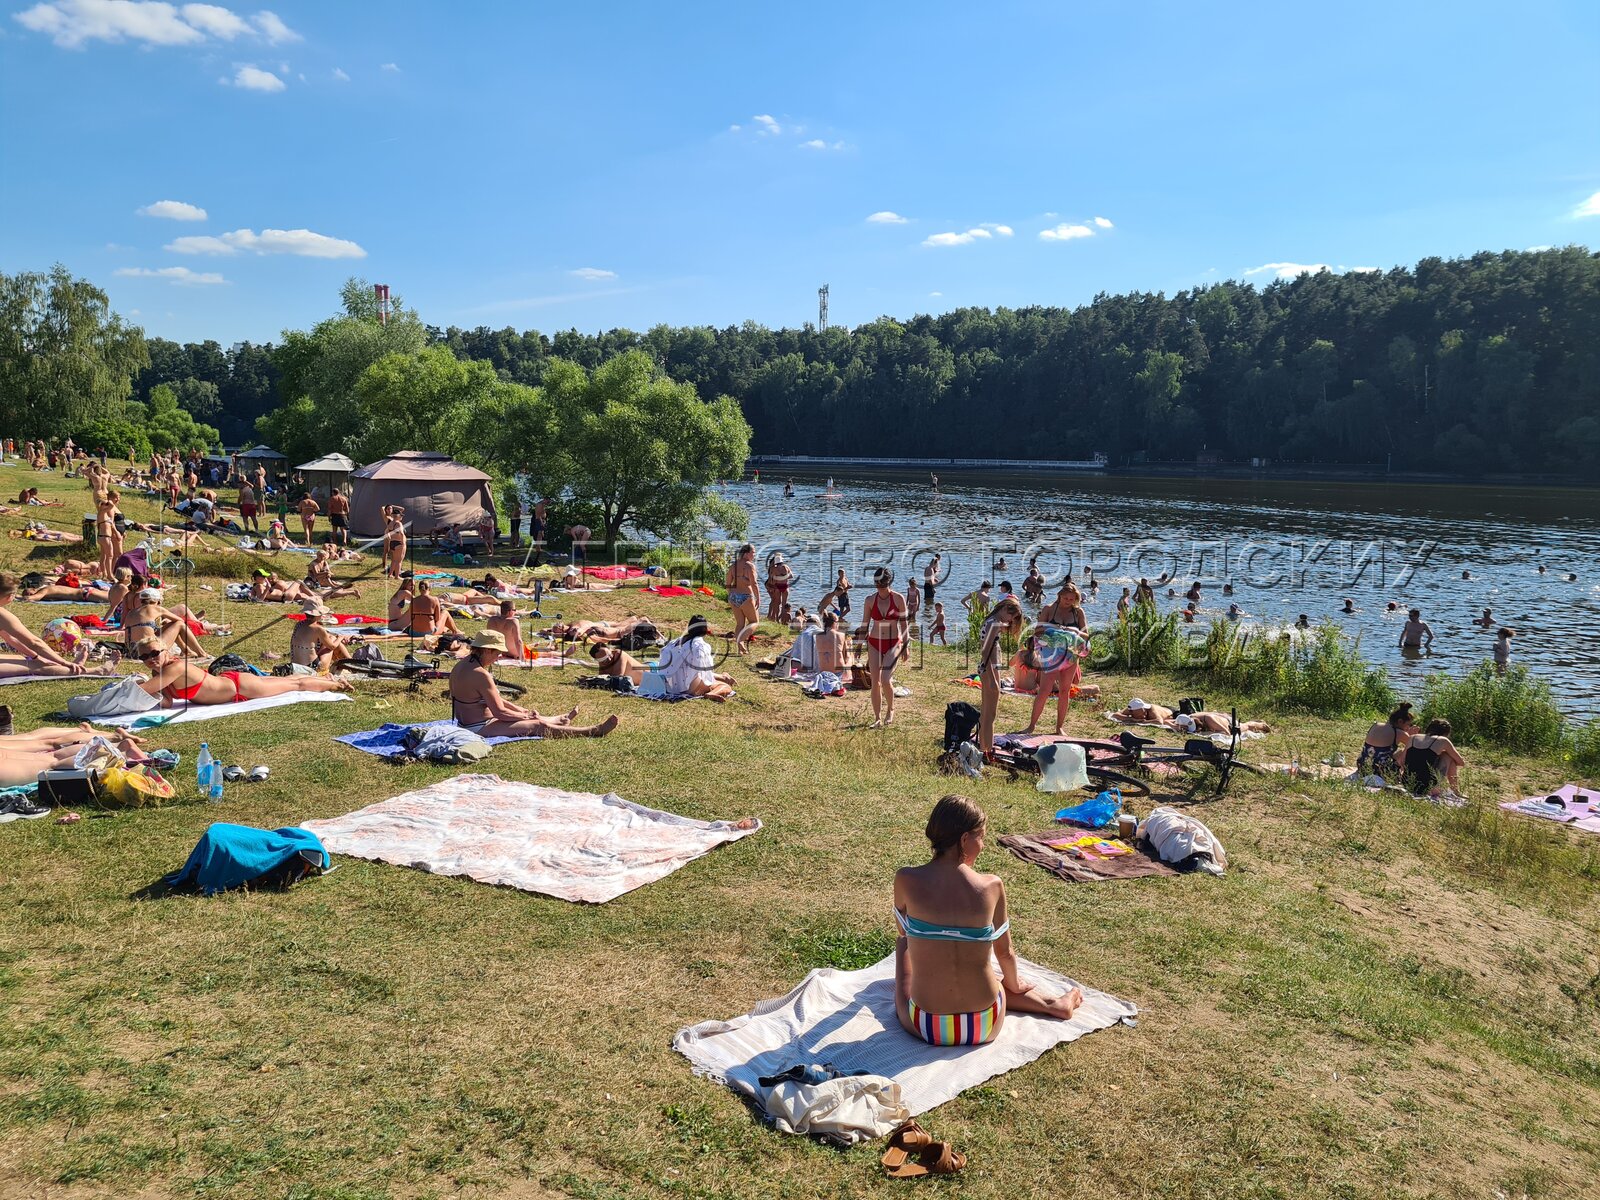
{"x":1539,"y":249}
{"x":1065,"y":233}
{"x":72,"y":23}
{"x":735,"y":128}
{"x":957,"y":239}
{"x":273,"y":29}
{"x":1589,"y":208}
{"x":1288,"y":270}
{"x":935,"y":294}
{"x":215,"y":20}
{"x":172,"y":210}
{"x":819,"y":144}
{"x":593,"y":274}
{"x":1362,"y":270}
{"x":390,"y":67}
{"x":301,"y":242}
{"x":179,"y":275}
{"x":885,"y":218}
{"x":339,"y":75}
{"x":254,"y":79}
{"x":766,"y":124}
{"x":1102,"y":222}
{"x":1002,"y":230}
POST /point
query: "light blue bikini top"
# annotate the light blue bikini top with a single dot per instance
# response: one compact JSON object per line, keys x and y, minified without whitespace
{"x":915,"y":928}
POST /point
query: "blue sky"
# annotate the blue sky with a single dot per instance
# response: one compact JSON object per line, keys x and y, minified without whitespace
{"x":539,"y":166}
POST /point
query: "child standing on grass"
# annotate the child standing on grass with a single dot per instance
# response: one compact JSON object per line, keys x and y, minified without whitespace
{"x":937,"y":632}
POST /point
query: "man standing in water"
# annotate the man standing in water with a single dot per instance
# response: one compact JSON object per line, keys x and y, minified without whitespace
{"x":935,"y":479}
{"x":1416,"y":633}
{"x":930,"y":576}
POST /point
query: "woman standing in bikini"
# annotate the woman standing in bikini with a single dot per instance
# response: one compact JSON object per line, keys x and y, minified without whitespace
{"x":779,"y":576}
{"x":743,"y":596}
{"x":105,"y":529}
{"x":952,"y":921}
{"x":394,"y":539}
{"x":885,"y":614}
{"x":1056,"y":638}
{"x":1005,"y":620}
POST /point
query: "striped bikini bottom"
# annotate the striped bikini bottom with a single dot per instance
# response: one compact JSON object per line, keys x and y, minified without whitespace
{"x":955,"y":1029}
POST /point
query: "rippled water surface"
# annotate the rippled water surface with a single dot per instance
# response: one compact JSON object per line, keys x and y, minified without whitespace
{"x":1287,"y":547}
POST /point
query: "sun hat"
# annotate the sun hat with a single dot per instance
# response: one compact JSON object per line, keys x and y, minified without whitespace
{"x":489,"y":639}
{"x":151,"y":594}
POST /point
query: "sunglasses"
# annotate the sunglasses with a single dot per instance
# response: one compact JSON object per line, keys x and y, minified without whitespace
{"x":149,"y":656}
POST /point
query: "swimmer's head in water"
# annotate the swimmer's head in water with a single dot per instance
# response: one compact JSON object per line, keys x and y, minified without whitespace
{"x":950,"y":823}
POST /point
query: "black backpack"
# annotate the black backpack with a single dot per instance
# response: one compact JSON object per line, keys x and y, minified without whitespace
{"x":960,"y":724}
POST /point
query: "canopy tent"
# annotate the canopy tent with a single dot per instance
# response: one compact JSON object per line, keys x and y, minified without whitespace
{"x":266,"y":452}
{"x":435,"y":491}
{"x":328,"y":472}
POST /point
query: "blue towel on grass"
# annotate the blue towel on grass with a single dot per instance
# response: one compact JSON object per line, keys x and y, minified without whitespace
{"x":386,"y":742}
{"x":229,"y":855}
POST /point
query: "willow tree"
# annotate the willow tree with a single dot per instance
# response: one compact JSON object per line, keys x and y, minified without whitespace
{"x":66,"y":360}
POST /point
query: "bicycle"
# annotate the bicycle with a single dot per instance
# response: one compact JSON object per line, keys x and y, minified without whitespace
{"x":1128,"y":760}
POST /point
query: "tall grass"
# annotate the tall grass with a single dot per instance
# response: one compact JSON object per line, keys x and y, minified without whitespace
{"x":1584,"y":747}
{"x":1514,"y":711}
{"x":1140,"y":640}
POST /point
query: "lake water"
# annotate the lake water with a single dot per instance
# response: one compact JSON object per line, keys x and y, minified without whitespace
{"x":1287,"y":547}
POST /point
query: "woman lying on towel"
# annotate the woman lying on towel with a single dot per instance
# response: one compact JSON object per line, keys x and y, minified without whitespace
{"x":174,"y":678}
{"x":596,"y":631}
{"x":1140,"y":713}
{"x":952,"y":920}
{"x":477,"y":706}
{"x":24,"y":755}
{"x":34,"y":655}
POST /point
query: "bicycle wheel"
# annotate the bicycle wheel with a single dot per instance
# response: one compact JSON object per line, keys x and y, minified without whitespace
{"x":1128,"y":785}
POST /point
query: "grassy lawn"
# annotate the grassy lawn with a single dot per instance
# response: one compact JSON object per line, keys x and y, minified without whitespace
{"x":1382,"y":998}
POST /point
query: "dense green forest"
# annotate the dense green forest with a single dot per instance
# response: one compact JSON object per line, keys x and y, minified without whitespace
{"x":1489,"y":362}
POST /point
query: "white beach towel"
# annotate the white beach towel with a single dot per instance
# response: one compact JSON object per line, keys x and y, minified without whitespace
{"x":570,"y":845}
{"x":49,"y":679}
{"x":847,"y":1018}
{"x":183,"y":714}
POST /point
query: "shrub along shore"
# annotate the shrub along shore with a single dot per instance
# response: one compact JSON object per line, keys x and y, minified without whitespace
{"x":1382,"y":997}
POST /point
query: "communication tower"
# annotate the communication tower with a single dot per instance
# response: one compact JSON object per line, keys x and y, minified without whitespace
{"x":381,"y":291}
{"x":822,"y":307}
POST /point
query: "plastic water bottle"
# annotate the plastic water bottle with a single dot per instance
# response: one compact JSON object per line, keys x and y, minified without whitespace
{"x":214,"y":786}
{"x":202,"y":768}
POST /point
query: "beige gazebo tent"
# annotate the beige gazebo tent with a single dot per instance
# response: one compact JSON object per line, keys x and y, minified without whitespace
{"x":434,"y":490}
{"x":328,"y":472}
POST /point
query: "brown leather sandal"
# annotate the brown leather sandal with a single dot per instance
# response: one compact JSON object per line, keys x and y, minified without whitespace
{"x":935,"y":1158}
{"x":903,"y":1142}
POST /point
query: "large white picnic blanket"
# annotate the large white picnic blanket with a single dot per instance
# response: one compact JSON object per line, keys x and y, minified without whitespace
{"x":570,"y":845}
{"x":182,"y":714}
{"x":847,"y":1018}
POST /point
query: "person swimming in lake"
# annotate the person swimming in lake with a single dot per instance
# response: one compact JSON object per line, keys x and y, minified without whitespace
{"x":1349,"y":606}
{"x":956,"y":973}
{"x":1416,"y":633}
{"x":1502,"y":649}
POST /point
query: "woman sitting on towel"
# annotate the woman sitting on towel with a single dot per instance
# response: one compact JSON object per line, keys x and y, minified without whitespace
{"x":609,"y":660}
{"x":687,"y":662}
{"x":1432,"y":762}
{"x":1384,"y":751}
{"x":953,"y":935}
{"x":477,"y":706}
{"x":174,"y":678}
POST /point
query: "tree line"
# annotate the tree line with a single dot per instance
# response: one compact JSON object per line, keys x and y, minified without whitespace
{"x":1453,"y":365}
